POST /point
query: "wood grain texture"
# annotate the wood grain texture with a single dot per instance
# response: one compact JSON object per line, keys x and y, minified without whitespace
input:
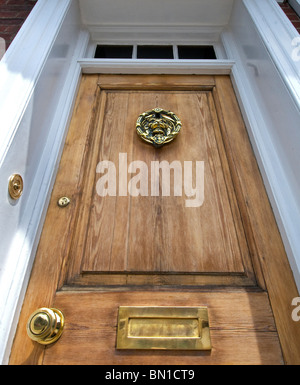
{"x":269,"y":256}
{"x":111,"y":280}
{"x":55,"y":243}
{"x":241,"y":325}
{"x":157,"y":82}
{"x":141,"y":243}
{"x":152,"y":234}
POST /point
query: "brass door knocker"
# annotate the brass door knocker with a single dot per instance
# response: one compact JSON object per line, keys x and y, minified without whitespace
{"x":158,"y":126}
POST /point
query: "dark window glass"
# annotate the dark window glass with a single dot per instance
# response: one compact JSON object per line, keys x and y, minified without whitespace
{"x":114,"y":52}
{"x":196,"y":52}
{"x":155,"y":52}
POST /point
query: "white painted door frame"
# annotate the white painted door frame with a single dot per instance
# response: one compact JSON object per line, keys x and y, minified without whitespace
{"x":23,"y":72}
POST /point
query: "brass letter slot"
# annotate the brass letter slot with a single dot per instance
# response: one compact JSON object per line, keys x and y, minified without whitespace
{"x":170,"y":328}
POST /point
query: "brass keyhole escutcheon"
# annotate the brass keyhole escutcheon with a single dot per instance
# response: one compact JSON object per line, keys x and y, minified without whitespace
{"x":63,"y":202}
{"x":45,"y":326}
{"x":15,"y":186}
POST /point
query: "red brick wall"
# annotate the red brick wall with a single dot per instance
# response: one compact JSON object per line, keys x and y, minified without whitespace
{"x":13,"y":13}
{"x":291,"y":14}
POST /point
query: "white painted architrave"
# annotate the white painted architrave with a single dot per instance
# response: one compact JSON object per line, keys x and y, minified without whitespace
{"x":162,"y":34}
{"x":132,"y":66}
{"x":273,"y":129}
{"x":21,"y":73}
{"x":21,"y":65}
{"x":278,"y":34}
{"x":281,"y":195}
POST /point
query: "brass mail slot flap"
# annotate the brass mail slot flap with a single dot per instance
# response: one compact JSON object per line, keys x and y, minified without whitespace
{"x":170,"y":328}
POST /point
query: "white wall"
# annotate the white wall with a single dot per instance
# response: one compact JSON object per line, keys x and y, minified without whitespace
{"x":42,"y":81}
{"x":271,"y":113}
{"x":155,"y":12}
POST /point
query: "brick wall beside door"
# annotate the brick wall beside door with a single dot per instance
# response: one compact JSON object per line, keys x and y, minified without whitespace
{"x":13,"y":13}
{"x":291,"y":14}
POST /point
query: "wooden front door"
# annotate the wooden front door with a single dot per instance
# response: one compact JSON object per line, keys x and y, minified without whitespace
{"x":139,"y":232}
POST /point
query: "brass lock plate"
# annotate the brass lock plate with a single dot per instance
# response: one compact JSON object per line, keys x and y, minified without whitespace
{"x":169,"y":328}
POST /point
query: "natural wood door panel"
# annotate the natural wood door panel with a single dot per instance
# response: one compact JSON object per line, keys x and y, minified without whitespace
{"x":101,"y":253}
{"x":241,"y":326}
{"x":161,"y":234}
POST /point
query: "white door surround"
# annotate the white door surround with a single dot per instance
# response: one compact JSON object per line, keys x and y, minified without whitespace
{"x":40,"y":73}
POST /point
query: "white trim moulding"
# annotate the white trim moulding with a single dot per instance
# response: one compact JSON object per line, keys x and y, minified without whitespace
{"x":278,"y":34}
{"x":21,"y":66}
{"x":281,"y":191}
{"x":144,"y":66}
{"x":154,"y":34}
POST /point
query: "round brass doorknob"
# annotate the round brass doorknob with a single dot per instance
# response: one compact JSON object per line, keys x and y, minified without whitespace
{"x":45,"y":326}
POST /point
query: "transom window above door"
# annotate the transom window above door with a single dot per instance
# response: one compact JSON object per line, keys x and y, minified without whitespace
{"x":192,"y":52}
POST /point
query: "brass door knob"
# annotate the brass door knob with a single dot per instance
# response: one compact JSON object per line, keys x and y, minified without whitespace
{"x":45,"y":326}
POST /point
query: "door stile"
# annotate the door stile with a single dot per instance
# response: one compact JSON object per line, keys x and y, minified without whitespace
{"x":237,"y":195}
{"x":73,"y":256}
{"x":233,"y":188}
{"x":54,"y":244}
{"x":268,"y":254}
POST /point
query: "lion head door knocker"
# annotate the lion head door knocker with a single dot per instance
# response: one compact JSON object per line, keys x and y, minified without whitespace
{"x":158,"y":126}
